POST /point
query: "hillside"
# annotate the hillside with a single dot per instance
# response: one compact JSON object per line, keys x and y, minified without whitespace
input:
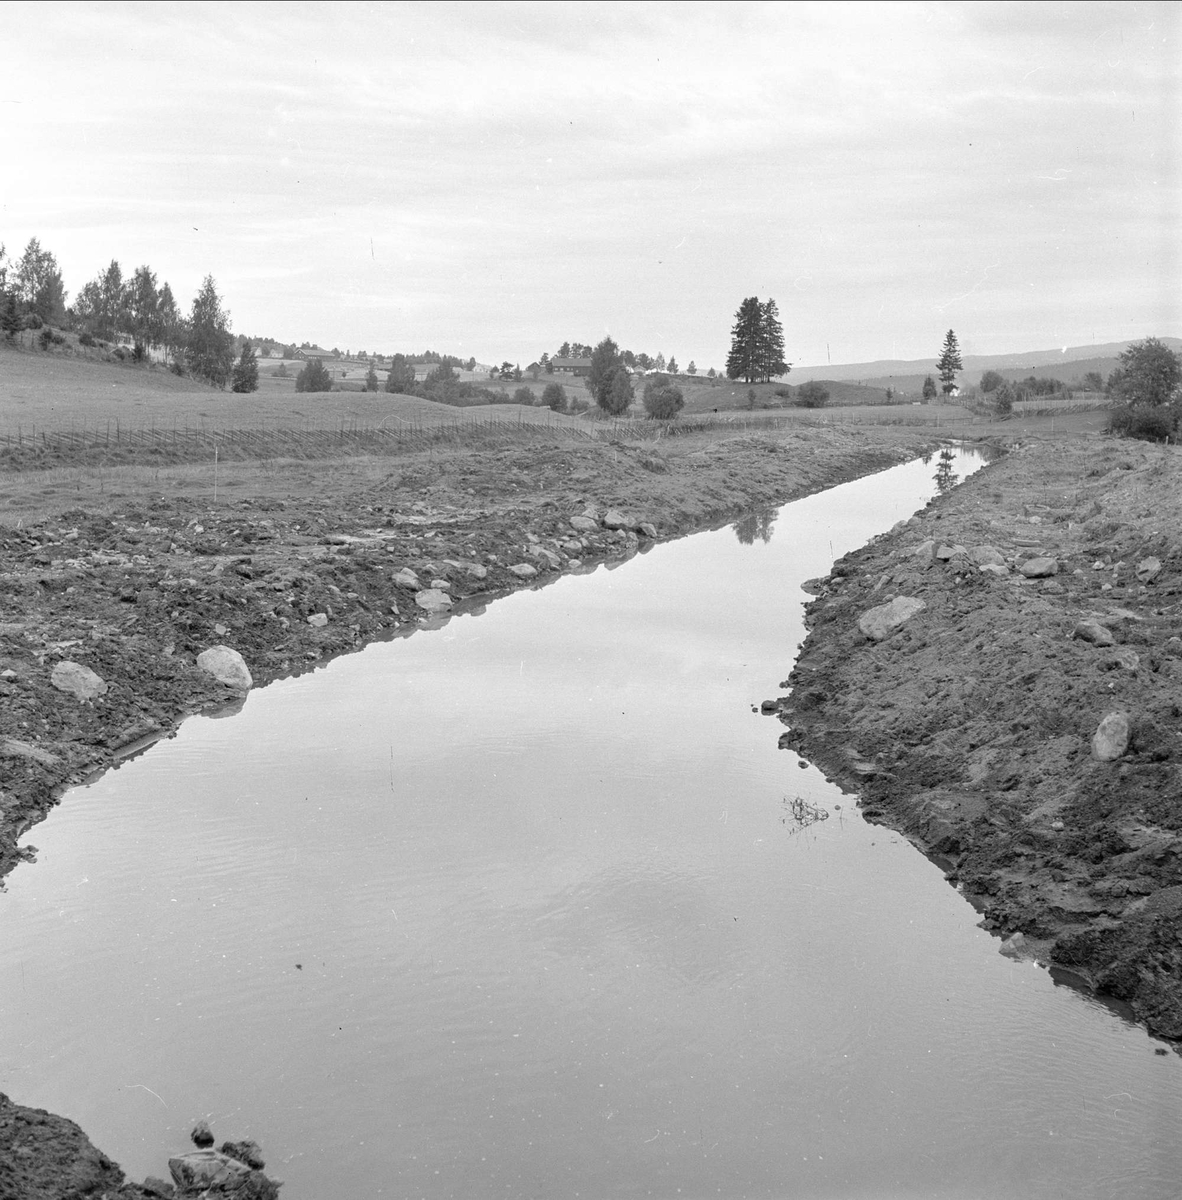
{"x":907,"y":375}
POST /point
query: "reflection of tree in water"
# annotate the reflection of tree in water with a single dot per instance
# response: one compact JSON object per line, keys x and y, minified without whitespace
{"x":944,"y":477}
{"x":755,"y":525}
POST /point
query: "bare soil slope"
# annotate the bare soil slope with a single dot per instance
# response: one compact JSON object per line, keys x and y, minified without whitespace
{"x":970,"y":725}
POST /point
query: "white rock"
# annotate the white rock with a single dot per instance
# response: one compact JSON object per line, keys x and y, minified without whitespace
{"x":925,"y":549}
{"x":433,"y":600}
{"x":987,"y":555}
{"x":877,"y":623}
{"x":523,"y":570}
{"x":1014,"y":946}
{"x":476,"y":570}
{"x":1148,"y":569}
{"x":648,"y":529}
{"x":998,"y":569}
{"x":1111,"y":738}
{"x":407,"y":578}
{"x":614,"y":519}
{"x":318,"y":620}
{"x":77,"y":680}
{"x":584,"y":524}
{"x":1094,"y":632}
{"x":227,"y":666}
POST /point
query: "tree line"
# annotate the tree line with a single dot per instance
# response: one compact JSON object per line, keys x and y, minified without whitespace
{"x":112,"y":306}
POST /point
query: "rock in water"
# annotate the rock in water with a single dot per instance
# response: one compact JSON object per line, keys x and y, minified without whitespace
{"x":1039,"y":568}
{"x":81,"y":682}
{"x":226,"y":666}
{"x":433,"y":600}
{"x":1094,"y":632}
{"x":878,"y":622}
{"x":1111,"y":738}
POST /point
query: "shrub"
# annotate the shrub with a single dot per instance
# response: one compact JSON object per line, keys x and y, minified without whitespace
{"x":45,"y":338}
{"x":523,"y":396}
{"x":991,"y":381}
{"x":554,"y":397}
{"x":812,"y":395}
{"x":1148,"y":423}
{"x":662,"y":399}
{"x":177,"y":367}
{"x":33,"y":321}
{"x":1003,"y":399}
{"x":86,"y":339}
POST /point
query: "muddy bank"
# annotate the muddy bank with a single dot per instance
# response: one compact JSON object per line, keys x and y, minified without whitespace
{"x":969,"y":725}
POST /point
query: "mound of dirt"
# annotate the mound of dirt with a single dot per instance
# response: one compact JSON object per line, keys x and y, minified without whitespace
{"x":1051,"y":589}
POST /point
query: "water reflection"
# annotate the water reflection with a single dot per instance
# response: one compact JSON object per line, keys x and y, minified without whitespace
{"x":755,"y":525}
{"x":945,"y":477}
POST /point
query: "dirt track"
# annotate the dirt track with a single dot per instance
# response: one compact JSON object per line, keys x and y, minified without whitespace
{"x":970,"y":725}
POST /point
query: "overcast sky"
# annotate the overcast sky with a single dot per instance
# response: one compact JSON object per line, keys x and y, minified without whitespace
{"x":494,"y":179}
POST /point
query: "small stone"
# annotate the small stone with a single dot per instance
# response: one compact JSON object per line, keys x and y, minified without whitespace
{"x":547,"y":556}
{"x":433,"y":600}
{"x":1111,"y":738}
{"x":1058,"y":826}
{"x":584,"y":524}
{"x":476,"y":570}
{"x":407,"y":578}
{"x":998,"y":569}
{"x":878,"y":623}
{"x":944,"y":553}
{"x":1039,"y":568}
{"x":648,"y":529}
{"x":1094,"y":632}
{"x":220,"y":630}
{"x":318,"y":620}
{"x":1014,"y":946}
{"x":1148,"y":569}
{"x":1125,"y":657}
{"x":441,"y":585}
{"x":925,"y":549}
{"x":201,"y":1135}
{"x":614,"y":519}
{"x":79,"y":681}
{"x":226,"y":666}
{"x":523,"y":570}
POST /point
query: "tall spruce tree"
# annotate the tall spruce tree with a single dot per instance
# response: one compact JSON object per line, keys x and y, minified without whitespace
{"x":757,"y":342}
{"x":949,"y":363}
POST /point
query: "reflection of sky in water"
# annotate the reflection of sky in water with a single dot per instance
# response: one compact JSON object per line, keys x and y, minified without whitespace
{"x":553,"y":935}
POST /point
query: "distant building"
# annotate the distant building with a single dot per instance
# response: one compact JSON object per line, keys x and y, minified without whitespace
{"x":570,"y":366}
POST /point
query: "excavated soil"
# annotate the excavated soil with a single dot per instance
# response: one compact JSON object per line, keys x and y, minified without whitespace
{"x":970,"y":725}
{"x":133,"y":586}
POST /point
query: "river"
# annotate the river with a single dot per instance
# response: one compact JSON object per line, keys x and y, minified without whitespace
{"x":522,"y":906}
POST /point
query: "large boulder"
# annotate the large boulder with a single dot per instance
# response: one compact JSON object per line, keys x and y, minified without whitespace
{"x":1111,"y":738}
{"x":987,"y":556}
{"x":878,"y":623}
{"x":614,"y":519}
{"x":1094,"y":632}
{"x":1039,"y":568}
{"x":226,"y":666}
{"x":78,"y":681}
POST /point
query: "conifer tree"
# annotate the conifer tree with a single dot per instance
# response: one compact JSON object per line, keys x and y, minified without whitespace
{"x":246,"y":370}
{"x":949,"y":363}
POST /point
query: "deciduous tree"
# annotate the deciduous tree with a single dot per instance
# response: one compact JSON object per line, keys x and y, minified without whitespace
{"x":949,"y":363}
{"x":143,"y":310}
{"x":371,"y":379}
{"x":605,"y":362}
{"x":554,"y":397}
{"x":402,"y":376}
{"x":662,"y":398}
{"x":209,"y":347}
{"x":991,"y":381}
{"x":38,"y":284}
{"x":1149,"y":373}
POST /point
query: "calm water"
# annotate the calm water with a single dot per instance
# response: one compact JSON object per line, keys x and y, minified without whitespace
{"x":516,"y":908}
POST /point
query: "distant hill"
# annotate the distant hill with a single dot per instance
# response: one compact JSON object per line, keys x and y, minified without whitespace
{"x":908,"y":375}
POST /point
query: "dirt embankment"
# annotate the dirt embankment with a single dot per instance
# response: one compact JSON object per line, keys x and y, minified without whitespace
{"x":969,"y":726}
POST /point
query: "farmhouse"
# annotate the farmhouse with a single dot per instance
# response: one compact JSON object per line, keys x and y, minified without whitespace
{"x":570,"y":366}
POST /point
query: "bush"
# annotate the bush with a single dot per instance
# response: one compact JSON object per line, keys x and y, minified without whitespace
{"x":1148,"y":423}
{"x":33,"y":321}
{"x":45,"y":339}
{"x":991,"y":381}
{"x":1003,"y":399}
{"x":177,"y":367}
{"x":523,"y":396}
{"x":314,"y":378}
{"x":812,"y":395}
{"x":86,"y":339}
{"x":662,"y":399}
{"x":554,"y":397}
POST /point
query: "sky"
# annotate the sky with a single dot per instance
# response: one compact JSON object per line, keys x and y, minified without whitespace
{"x":495,"y":179}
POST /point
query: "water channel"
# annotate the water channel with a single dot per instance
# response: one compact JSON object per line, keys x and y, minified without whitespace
{"x":517,"y":907}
